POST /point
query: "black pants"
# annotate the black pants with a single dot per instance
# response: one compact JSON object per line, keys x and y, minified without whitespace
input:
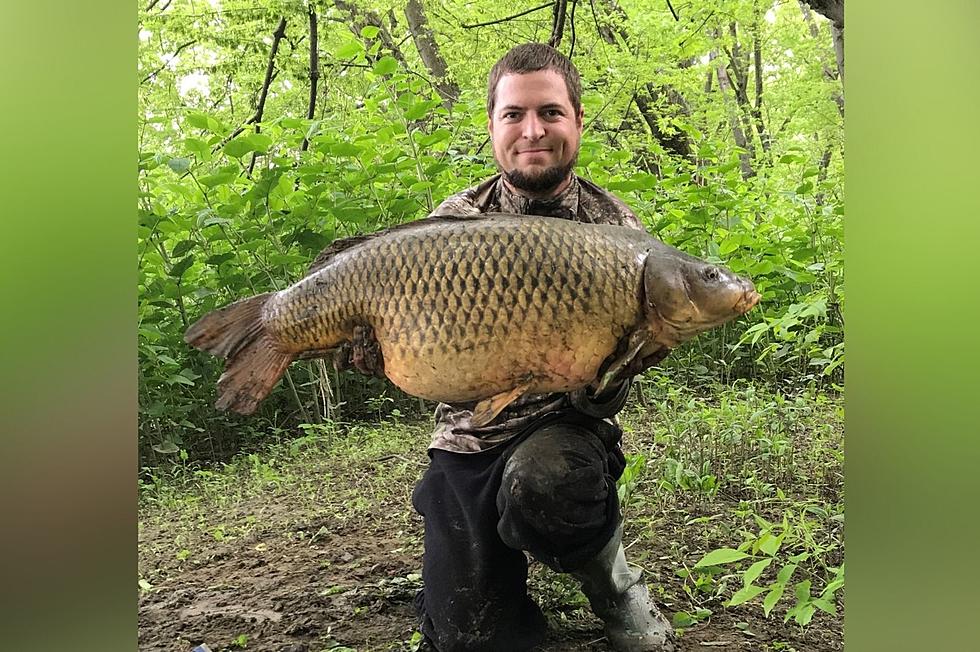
{"x":550,"y":491}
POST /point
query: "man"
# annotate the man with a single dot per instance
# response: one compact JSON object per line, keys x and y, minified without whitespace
{"x":541,"y":476}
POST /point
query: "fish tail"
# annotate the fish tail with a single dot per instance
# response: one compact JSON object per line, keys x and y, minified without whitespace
{"x":254,"y":362}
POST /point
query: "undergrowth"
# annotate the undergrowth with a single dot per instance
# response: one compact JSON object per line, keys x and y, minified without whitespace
{"x":733,"y":498}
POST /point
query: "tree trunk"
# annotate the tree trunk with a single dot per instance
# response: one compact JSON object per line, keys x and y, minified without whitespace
{"x":429,"y":52}
{"x":314,"y":71}
{"x":725,"y":85}
{"x":361,"y":18}
{"x":646,"y":99}
{"x":833,"y":10}
{"x":837,"y":34}
{"x":760,"y":124}
{"x":740,"y":70}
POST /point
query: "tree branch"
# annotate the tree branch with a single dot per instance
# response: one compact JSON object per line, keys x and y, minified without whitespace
{"x":176,"y":52}
{"x":674,"y":13}
{"x":260,"y":107}
{"x":504,"y":20}
{"x":571,"y":21}
{"x":314,"y":72}
{"x":557,"y":23}
{"x":428,"y":50}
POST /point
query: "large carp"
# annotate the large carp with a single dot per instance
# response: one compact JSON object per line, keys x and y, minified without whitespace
{"x":478,"y":308}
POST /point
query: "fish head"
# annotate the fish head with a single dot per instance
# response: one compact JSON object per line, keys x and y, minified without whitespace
{"x":687,"y":296}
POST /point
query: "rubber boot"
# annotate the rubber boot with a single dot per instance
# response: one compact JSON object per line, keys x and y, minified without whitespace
{"x":620,"y":598}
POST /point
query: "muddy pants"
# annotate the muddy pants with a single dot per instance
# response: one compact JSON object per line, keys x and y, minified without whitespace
{"x":550,"y":491}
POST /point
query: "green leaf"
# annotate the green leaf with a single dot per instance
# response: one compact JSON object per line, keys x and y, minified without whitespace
{"x":146,"y":586}
{"x":198,"y":120}
{"x":755,"y":570}
{"x":772,"y":598}
{"x":238,"y":147}
{"x":802,"y":591}
{"x":349,"y":49}
{"x":683,"y":619}
{"x":370,"y":31}
{"x":217,"y":259}
{"x":220,"y":179}
{"x":179,"y":165}
{"x":182,"y":248}
{"x":721,"y":556}
{"x":197,"y":146}
{"x":745,"y":594}
{"x":259,"y":142}
{"x":167,"y":448}
{"x":178,"y":270}
{"x":771,"y":545}
{"x":385,"y":65}
{"x":785,"y":573}
{"x":729,"y":244}
{"x":805,"y":615}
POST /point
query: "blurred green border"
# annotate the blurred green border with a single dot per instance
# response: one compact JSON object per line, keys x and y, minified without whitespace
{"x":912,"y":235}
{"x":68,"y":399}
{"x":69,"y":361}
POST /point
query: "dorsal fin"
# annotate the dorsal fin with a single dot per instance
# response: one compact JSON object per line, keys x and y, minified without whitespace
{"x":344,"y":244}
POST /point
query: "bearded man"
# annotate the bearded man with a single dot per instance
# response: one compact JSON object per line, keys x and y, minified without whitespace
{"x":541,"y":477}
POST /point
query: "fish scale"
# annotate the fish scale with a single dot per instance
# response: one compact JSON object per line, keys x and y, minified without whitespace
{"x":467,"y":309}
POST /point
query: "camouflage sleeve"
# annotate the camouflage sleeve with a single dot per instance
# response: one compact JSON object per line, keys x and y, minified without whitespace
{"x":603,"y":207}
{"x":459,"y":204}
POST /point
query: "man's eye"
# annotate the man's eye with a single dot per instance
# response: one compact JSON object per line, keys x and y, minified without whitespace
{"x":511,"y":115}
{"x":553,"y":113}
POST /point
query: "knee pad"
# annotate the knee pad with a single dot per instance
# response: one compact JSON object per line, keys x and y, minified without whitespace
{"x":558,"y":481}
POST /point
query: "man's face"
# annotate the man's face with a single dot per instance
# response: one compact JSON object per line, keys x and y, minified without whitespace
{"x":535,"y":131}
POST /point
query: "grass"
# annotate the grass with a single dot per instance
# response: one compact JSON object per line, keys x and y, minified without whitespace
{"x":731,"y":492}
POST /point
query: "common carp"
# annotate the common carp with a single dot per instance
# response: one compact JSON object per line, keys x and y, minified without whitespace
{"x":478,"y":308}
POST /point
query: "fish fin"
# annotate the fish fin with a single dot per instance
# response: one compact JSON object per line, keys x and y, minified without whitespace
{"x":638,"y":339}
{"x":344,"y":244}
{"x":488,"y":409}
{"x":254,"y":365}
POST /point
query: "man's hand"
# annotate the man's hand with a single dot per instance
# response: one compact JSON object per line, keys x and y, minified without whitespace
{"x":362,"y":353}
{"x":614,"y":398}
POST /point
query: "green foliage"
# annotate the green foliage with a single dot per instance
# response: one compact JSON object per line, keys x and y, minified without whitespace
{"x":229,"y":207}
{"x":768,"y":548}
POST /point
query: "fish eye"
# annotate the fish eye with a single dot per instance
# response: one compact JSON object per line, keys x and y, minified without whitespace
{"x":711,"y":274}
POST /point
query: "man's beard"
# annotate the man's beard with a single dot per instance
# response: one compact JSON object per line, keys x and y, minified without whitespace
{"x":540,"y":182}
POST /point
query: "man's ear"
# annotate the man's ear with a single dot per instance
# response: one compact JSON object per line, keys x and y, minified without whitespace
{"x":490,"y":125}
{"x":578,"y":120}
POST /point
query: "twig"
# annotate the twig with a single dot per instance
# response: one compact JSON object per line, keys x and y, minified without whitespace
{"x":671,"y":7}
{"x":503,"y":20}
{"x":260,"y":108}
{"x":571,"y":48}
{"x":706,"y":19}
{"x":176,"y":52}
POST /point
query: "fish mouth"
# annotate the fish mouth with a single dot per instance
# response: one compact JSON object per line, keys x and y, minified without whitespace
{"x":747,"y":301}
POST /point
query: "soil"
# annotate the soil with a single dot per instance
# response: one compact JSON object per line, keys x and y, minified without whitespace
{"x":305,"y":579}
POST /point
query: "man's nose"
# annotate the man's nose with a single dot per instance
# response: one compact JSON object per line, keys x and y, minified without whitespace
{"x":533,"y":127}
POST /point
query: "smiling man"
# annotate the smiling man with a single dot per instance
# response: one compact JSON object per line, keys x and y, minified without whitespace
{"x":541,"y":477}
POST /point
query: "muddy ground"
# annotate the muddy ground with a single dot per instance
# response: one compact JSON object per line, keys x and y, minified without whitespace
{"x":324,"y":553}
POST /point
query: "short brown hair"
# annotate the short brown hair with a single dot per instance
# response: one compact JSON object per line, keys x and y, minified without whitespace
{"x":532,"y":57}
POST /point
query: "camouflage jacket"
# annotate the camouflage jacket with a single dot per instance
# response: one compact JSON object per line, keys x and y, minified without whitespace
{"x":582,"y":201}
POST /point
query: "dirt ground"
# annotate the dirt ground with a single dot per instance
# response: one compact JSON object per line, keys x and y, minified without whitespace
{"x":299,"y":578}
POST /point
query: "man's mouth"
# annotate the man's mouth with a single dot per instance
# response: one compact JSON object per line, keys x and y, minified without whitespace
{"x":533,"y":151}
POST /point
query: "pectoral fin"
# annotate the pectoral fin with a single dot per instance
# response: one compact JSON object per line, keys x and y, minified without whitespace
{"x":638,"y":339}
{"x":487,"y":409}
